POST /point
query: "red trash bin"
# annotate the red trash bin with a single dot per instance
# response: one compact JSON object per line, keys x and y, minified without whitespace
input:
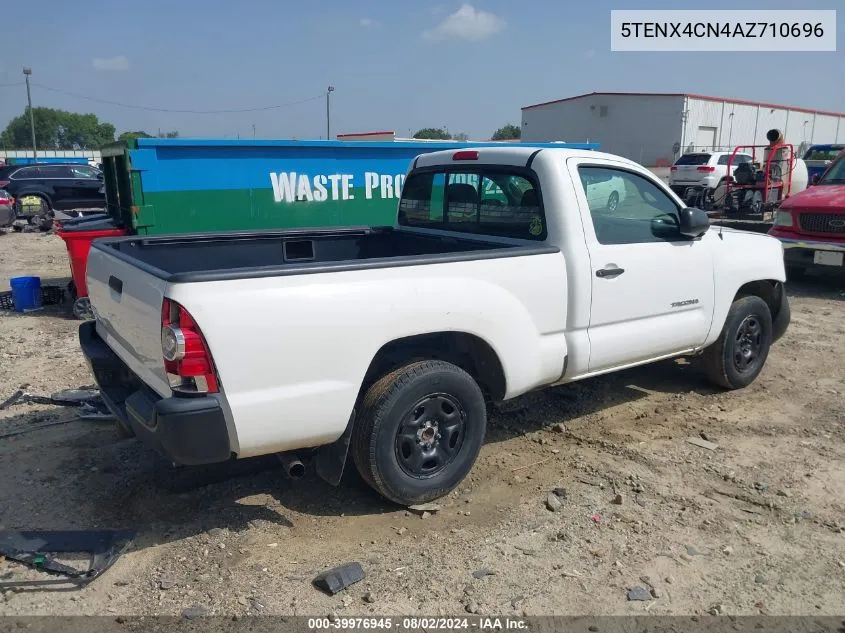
{"x":78,"y":239}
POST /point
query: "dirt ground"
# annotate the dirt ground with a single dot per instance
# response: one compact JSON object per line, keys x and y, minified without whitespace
{"x":755,"y":526}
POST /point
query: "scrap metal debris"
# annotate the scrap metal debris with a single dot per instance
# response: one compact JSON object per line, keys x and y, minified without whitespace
{"x":339,"y":578}
{"x":91,"y":405}
{"x":36,"y":549}
{"x":696,"y":441}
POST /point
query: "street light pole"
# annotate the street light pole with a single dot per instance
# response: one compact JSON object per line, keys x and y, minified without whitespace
{"x":27,"y":72}
{"x":328,"y":114}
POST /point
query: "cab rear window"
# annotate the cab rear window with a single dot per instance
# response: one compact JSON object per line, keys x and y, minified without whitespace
{"x":497,"y":202}
{"x":693,"y":159}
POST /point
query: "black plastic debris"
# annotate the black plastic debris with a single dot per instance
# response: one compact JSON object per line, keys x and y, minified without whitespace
{"x":37,"y":549}
{"x":339,"y":578}
{"x":72,"y":397}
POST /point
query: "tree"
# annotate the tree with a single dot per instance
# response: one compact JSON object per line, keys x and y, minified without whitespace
{"x":130,"y":136}
{"x":58,"y":129}
{"x":509,"y":132}
{"x":432,"y":133}
{"x":461,"y":136}
{"x":173,"y":134}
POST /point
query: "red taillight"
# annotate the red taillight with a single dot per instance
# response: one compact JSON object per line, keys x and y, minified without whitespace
{"x":465,"y":154}
{"x":705,"y":168}
{"x":189,"y":366}
{"x":673,"y":168}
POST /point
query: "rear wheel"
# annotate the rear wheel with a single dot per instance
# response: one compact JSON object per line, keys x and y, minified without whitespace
{"x":419,"y":431}
{"x":738,"y":355}
{"x":32,"y":206}
{"x":82,"y":309}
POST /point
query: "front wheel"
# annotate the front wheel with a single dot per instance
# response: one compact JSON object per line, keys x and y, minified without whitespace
{"x":738,"y":355}
{"x":419,"y":431}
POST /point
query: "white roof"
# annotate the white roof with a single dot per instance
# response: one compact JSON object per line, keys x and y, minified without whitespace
{"x":512,"y":155}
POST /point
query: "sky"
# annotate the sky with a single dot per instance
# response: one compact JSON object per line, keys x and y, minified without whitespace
{"x":395,"y":64}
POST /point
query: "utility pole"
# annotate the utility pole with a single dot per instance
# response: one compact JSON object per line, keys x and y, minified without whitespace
{"x":27,"y":72}
{"x":253,"y":130}
{"x":329,"y":91}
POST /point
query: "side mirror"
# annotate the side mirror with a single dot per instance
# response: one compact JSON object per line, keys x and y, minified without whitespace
{"x":693,"y":222}
{"x":815,"y":179}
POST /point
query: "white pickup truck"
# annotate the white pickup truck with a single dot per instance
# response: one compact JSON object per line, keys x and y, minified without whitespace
{"x":501,"y":275}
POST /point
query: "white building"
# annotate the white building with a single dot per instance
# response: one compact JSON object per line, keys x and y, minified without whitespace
{"x":654,"y":128}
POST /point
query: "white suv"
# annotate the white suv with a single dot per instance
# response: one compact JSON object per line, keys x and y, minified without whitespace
{"x":702,"y":170}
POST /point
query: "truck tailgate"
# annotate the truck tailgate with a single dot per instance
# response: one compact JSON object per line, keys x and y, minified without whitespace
{"x":127,"y":304}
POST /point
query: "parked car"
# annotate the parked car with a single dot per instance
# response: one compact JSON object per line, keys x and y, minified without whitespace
{"x":388,"y":341}
{"x":811,"y":224}
{"x":604,"y":189}
{"x":7,"y":208}
{"x":40,"y":188}
{"x":818,"y":157}
{"x":702,"y":170}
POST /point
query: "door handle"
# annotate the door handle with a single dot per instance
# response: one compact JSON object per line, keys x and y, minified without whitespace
{"x":609,"y":271}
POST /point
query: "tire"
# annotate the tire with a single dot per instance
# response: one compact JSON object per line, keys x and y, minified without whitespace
{"x":81,"y":309}
{"x":737,"y":357}
{"x":425,"y":461}
{"x":613,"y":201}
{"x":43,"y":208}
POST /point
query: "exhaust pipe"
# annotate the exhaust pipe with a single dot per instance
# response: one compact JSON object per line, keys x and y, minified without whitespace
{"x":293,"y":467}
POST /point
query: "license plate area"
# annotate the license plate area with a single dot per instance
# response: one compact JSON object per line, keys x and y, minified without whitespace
{"x":828,"y":258}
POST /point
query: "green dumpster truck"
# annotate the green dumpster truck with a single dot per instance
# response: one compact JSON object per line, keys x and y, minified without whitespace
{"x":157,"y":186}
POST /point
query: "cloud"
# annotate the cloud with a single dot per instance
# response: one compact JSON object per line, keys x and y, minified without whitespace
{"x":590,"y":53}
{"x":117,"y":63}
{"x":467,"y":23}
{"x":367,"y":23}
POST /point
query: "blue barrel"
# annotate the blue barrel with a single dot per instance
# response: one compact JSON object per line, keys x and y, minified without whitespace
{"x":26,"y":293}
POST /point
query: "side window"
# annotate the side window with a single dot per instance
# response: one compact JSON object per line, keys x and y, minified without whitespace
{"x":54,"y":171}
{"x":627,"y":208}
{"x":78,"y":171}
{"x":723,"y":159}
{"x":26,"y":173}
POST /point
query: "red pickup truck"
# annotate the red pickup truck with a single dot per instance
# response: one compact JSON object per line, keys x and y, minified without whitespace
{"x":811,"y":224}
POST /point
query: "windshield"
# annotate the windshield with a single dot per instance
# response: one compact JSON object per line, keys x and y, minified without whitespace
{"x":693,"y":159}
{"x":835,"y":175}
{"x":823,"y":153}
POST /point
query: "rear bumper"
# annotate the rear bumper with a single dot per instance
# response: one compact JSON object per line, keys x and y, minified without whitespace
{"x":185,"y":430}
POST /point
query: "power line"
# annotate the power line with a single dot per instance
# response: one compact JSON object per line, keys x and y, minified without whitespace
{"x":20,"y":83}
{"x":175,"y":111}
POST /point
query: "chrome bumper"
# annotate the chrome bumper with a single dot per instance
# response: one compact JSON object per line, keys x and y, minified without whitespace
{"x":812,"y":244}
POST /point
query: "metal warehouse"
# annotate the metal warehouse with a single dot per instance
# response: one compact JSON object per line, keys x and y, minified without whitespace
{"x":655,"y":128}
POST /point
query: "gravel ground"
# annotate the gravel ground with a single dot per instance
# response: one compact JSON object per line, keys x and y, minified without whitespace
{"x":755,"y":526}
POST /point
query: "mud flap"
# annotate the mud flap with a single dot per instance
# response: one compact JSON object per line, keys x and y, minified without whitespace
{"x":331,"y":458}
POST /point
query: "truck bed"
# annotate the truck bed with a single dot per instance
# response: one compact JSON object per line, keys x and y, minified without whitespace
{"x":214,"y":257}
